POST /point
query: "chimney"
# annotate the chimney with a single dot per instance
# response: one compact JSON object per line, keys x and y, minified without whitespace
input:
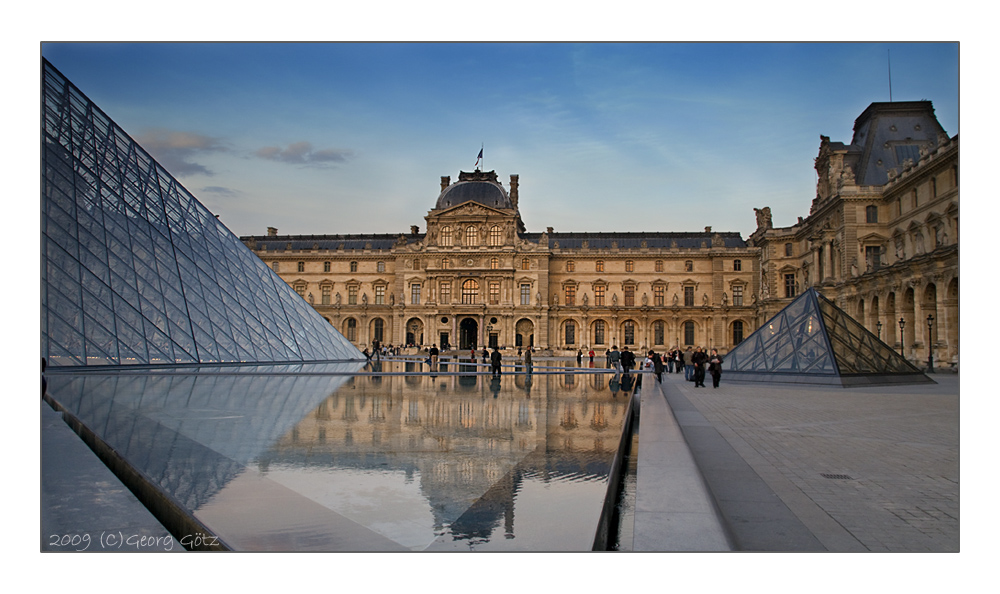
{"x":513,"y":189}
{"x":414,"y":230}
{"x":272,"y":232}
{"x":445,"y":182}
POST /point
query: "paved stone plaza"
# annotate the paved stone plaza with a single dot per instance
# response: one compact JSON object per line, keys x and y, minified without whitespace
{"x":858,"y":469}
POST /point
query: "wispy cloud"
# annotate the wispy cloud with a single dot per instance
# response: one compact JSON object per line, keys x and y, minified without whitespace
{"x":302,"y":153}
{"x":177,"y":150}
{"x":220,"y":191}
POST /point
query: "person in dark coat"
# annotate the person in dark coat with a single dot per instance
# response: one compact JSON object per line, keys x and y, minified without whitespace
{"x":495,"y":361}
{"x":657,"y":365}
{"x":715,"y":367}
{"x":628,"y":359}
{"x":678,"y":361}
{"x":698,"y":359}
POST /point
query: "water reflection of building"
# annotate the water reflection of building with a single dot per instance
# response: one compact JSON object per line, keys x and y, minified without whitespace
{"x":465,"y":443}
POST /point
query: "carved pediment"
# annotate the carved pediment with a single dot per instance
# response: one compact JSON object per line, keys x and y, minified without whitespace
{"x":873,"y":238}
{"x":470,"y":209}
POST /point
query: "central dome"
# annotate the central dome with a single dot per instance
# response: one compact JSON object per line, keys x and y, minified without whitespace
{"x":481,"y":187}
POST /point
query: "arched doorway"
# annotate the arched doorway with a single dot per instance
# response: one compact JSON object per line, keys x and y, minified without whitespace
{"x":414,"y":332}
{"x":468,"y":334}
{"x":524,"y":333}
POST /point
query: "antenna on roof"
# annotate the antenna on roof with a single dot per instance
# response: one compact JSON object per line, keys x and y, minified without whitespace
{"x":888,"y":60}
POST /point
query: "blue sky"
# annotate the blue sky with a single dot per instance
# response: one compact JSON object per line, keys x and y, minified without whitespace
{"x":354,"y":138}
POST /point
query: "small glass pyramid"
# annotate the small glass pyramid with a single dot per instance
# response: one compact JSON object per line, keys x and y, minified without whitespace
{"x":814,"y":341}
{"x":136,"y":271}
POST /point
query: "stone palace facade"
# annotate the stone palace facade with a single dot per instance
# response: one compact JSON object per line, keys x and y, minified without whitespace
{"x":881,"y":240}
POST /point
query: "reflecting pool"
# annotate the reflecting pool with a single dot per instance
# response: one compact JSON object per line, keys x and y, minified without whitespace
{"x":295,"y":458}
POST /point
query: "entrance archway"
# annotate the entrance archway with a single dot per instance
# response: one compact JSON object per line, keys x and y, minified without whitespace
{"x":414,"y":332}
{"x":468,"y":334}
{"x":524,"y":333}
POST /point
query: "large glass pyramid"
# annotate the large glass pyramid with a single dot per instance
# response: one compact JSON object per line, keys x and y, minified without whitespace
{"x":136,"y":271}
{"x":814,"y":341}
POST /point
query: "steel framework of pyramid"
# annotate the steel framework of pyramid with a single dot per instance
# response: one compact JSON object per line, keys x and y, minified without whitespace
{"x":815,"y":342}
{"x":136,"y":271}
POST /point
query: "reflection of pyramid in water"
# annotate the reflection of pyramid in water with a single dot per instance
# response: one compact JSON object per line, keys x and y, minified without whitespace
{"x":814,"y":341}
{"x":136,"y":271}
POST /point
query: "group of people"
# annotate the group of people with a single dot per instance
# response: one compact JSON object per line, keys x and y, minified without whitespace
{"x":695,"y":363}
{"x":380,"y":350}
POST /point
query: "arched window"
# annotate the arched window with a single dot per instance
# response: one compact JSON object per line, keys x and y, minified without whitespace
{"x":658,"y":332}
{"x":470,"y":291}
{"x":445,"y":238}
{"x":351,"y":333}
{"x":599,"y":332}
{"x":471,"y":236}
{"x":496,"y":235}
{"x":737,"y":332}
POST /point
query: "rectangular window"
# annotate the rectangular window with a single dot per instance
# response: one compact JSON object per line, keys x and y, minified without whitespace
{"x":790,"y":285}
{"x":326,"y":266}
{"x":629,"y":332}
{"x":688,"y":296}
{"x":688,"y":334}
{"x":658,"y":295}
{"x":737,"y":332}
{"x":788,"y":249}
{"x":599,"y":332}
{"x":570,"y":295}
{"x":659,"y":265}
{"x":570,"y":333}
{"x":737,"y":265}
{"x":599,"y":266}
{"x":380,"y":266}
{"x":327,"y":289}
{"x":354,"y":266}
{"x":301,"y":290}
{"x":873,"y":257}
{"x":302,"y":266}
{"x":525,"y":294}
{"x":415,"y":294}
{"x":871,"y":214}
{"x":445,"y":296}
{"x":629,"y":266}
{"x":658,"y":333}
{"x":494,"y":293}
{"x":599,"y":291}
{"x":274,"y":266}
{"x":525,"y":264}
{"x":352,"y":295}
{"x":629,"y":295}
{"x":738,"y":295}
{"x":379,"y":294}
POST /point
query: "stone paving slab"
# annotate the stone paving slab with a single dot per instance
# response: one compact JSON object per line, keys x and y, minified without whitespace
{"x":861,"y":469}
{"x":84,"y":507}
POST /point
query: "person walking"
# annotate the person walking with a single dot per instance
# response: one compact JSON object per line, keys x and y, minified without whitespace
{"x":615,"y":358}
{"x":495,"y":358}
{"x":657,"y":365}
{"x":715,"y":367}
{"x":688,"y":365}
{"x":486,"y":355}
{"x":579,"y":357}
{"x":434,"y":354}
{"x":591,"y":354}
{"x":678,"y":360}
{"x":527,"y":360}
{"x":699,"y":358}
{"x":628,"y":359}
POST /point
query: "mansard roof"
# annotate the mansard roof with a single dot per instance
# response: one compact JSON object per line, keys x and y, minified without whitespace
{"x":634,"y":240}
{"x":890,"y":133}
